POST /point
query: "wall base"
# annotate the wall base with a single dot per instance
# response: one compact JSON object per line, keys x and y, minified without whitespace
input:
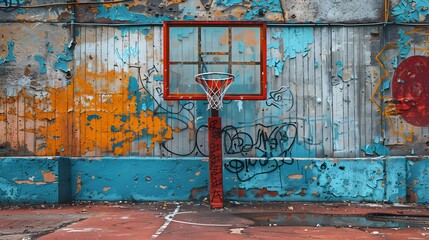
{"x":58,"y":180}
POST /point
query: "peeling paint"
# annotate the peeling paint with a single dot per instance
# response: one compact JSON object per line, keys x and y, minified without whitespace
{"x":49,"y":176}
{"x":10,"y":56}
{"x":42,"y":63}
{"x":295,"y":176}
{"x":63,"y":58}
{"x":122,"y":13}
{"x":403,"y":43}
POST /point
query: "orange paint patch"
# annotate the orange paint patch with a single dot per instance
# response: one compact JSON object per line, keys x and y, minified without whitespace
{"x":49,"y":176}
{"x":94,"y":115}
{"x":295,"y":176}
{"x":105,"y":189}
{"x":249,"y":38}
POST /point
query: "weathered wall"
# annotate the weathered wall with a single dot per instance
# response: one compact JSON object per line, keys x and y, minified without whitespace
{"x":45,"y":180}
{"x":85,"y":80}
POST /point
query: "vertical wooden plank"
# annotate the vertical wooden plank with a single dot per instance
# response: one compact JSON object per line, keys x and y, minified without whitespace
{"x":30,"y":124}
{"x":318,"y":117}
{"x":100,"y":80}
{"x":337,"y":92}
{"x":90,"y":97}
{"x":132,"y":54}
{"x":77,"y":101}
{"x":103,"y":89}
{"x":3,"y":117}
{"x":120,"y":107}
{"x":21,"y":122}
{"x":327,"y":90}
{"x":156,"y":90}
{"x":41,"y":125}
{"x":310,"y":95}
{"x":12,"y":122}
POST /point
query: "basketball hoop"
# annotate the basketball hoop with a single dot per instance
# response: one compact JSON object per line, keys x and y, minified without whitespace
{"x":215,"y":85}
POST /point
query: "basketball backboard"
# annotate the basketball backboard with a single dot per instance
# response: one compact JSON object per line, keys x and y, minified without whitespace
{"x":235,"y":47}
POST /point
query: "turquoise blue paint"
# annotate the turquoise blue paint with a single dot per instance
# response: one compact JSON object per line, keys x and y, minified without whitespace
{"x":124,"y":117}
{"x":240,"y":46}
{"x":404,"y":46}
{"x":300,"y":149}
{"x":10,"y":57}
{"x":385,"y":85}
{"x":187,"y":17}
{"x":13,"y":3}
{"x":276,"y":64}
{"x":162,"y":179}
{"x":133,"y":84}
{"x":275,"y":45}
{"x":119,"y":144}
{"x":127,"y":53}
{"x":296,"y":40}
{"x":316,"y":64}
{"x":396,"y":179}
{"x":49,"y":48}
{"x":277,"y":35}
{"x":405,"y":12}
{"x":143,"y":30}
{"x":92,"y":117}
{"x":21,"y":10}
{"x":181,"y":33}
{"x":262,"y":6}
{"x":339,"y":65}
{"x":376,"y":147}
{"x":42,"y":63}
{"x":123,"y":14}
{"x":115,"y":129}
{"x":395,"y":62}
{"x":228,"y":3}
{"x":30,"y":169}
{"x":321,"y":180}
{"x":158,"y":78}
{"x":418,"y":179}
{"x":140,"y":179}
{"x":63,"y":59}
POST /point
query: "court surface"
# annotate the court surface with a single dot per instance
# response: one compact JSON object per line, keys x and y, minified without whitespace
{"x":195,"y":220}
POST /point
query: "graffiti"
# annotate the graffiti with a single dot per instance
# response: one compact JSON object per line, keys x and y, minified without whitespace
{"x":247,"y":169}
{"x":10,"y":5}
{"x":410,"y":90}
{"x":145,"y":79}
{"x":269,"y":141}
{"x":281,"y":98}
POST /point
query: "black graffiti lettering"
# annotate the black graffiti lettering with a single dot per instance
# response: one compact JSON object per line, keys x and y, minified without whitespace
{"x":247,"y":169}
{"x":281,"y":98}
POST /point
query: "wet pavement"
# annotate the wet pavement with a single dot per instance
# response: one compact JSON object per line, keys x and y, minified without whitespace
{"x":195,"y":220}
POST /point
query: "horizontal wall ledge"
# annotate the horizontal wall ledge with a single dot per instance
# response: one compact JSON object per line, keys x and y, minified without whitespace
{"x":35,"y":180}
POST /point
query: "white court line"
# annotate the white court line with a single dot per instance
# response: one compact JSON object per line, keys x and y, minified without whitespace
{"x":168,"y":220}
{"x":170,"y":217}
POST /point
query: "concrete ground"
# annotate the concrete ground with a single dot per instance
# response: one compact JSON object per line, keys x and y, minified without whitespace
{"x":195,"y":220}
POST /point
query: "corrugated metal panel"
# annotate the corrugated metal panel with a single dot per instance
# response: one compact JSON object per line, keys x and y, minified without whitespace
{"x":327,"y":97}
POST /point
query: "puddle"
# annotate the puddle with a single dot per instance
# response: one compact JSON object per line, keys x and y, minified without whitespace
{"x":371,"y":220}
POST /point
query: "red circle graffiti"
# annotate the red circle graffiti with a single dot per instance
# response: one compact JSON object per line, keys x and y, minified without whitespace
{"x":410,"y":90}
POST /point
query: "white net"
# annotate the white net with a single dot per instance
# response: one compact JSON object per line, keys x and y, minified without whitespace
{"x":215,"y":85}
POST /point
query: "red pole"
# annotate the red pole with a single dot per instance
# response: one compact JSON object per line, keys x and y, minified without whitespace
{"x":215,"y":160}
